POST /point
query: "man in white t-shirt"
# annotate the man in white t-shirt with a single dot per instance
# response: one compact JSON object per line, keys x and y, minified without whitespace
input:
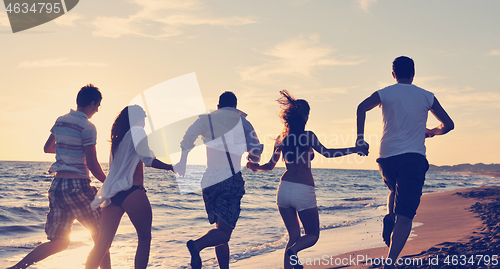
{"x":402,"y":160}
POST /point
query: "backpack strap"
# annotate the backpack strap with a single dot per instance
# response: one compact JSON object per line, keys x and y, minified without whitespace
{"x":224,"y":142}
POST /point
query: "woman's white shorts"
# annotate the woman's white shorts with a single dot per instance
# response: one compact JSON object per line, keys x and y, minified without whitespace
{"x":296,"y":195}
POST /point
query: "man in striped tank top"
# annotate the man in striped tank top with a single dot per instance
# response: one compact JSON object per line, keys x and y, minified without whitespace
{"x":73,"y":140}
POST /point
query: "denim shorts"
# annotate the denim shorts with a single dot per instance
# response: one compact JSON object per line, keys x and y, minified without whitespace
{"x":296,"y":195}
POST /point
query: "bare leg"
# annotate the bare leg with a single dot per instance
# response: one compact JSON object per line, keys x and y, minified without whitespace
{"x":41,"y":252}
{"x":222,"y":253}
{"x":110,"y":219}
{"x":139,"y":211}
{"x":222,"y":250}
{"x":214,"y":237}
{"x":400,"y":234}
{"x":390,"y":203}
{"x":289,"y":216}
{"x":389,"y":219}
{"x":310,"y":222}
{"x":218,"y":238}
{"x":106,"y":259}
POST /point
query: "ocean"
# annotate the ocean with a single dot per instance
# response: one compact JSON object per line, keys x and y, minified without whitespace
{"x":350,"y":202}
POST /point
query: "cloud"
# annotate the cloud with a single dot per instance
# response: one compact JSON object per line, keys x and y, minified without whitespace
{"x":323,"y":92}
{"x":68,"y":19}
{"x":365,"y":4}
{"x":297,"y":57}
{"x":494,"y":53}
{"x":476,"y":100}
{"x":467,"y":98}
{"x":12,"y":103}
{"x":58,"y":63}
{"x":162,"y":18}
{"x":430,"y":78}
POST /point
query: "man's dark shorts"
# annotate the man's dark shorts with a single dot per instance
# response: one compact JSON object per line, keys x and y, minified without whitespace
{"x":222,"y":200}
{"x":405,"y":175}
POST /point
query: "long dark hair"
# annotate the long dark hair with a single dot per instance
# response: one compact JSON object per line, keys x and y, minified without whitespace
{"x":130,"y":114}
{"x":294,"y":115}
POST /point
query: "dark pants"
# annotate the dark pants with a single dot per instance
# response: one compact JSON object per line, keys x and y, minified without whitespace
{"x":405,"y":175}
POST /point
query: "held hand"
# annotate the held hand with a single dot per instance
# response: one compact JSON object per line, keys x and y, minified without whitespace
{"x":361,"y":147}
{"x":170,"y":168}
{"x":180,"y":169}
{"x":430,"y":133}
{"x":362,"y":151}
{"x":440,"y":130}
{"x":252,"y":166}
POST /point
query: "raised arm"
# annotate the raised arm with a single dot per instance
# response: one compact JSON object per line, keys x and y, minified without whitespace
{"x":332,"y":153}
{"x":269,"y":165}
{"x":50,"y":145}
{"x":446,"y":123}
{"x":92,"y":163}
{"x":180,"y":167}
{"x":367,"y":105}
{"x":254,"y":147}
{"x":187,"y":144}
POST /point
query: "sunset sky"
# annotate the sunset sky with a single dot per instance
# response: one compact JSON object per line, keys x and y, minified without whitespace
{"x":333,"y":53}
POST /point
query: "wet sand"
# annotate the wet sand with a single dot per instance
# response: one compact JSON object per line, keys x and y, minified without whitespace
{"x":451,"y":230}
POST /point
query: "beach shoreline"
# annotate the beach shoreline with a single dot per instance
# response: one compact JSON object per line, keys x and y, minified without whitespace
{"x":352,"y":205}
{"x":487,"y":173}
{"x":455,"y":224}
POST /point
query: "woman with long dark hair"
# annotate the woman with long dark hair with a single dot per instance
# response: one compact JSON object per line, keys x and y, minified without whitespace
{"x":123,"y":190}
{"x":296,"y":190}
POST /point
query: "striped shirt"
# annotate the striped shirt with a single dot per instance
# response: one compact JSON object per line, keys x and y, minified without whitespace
{"x":72,"y":132}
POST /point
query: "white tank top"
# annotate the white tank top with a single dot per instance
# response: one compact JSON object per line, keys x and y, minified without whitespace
{"x":404,"y":109}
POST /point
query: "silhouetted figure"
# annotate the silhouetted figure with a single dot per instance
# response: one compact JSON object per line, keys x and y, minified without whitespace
{"x":296,"y":194}
{"x":227,"y":135}
{"x":123,"y":191}
{"x":73,"y":140}
{"x":402,"y":161}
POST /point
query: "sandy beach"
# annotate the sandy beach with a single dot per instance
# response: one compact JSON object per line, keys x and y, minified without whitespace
{"x":454,"y":229}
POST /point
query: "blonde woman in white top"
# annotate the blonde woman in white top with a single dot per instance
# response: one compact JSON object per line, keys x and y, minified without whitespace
{"x":123,"y":190}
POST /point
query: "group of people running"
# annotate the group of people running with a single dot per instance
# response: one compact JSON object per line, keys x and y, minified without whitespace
{"x":402,"y":165}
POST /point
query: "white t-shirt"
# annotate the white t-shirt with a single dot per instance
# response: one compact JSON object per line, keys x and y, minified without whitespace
{"x":240,"y":137}
{"x":132,"y":148}
{"x":404,"y":109}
